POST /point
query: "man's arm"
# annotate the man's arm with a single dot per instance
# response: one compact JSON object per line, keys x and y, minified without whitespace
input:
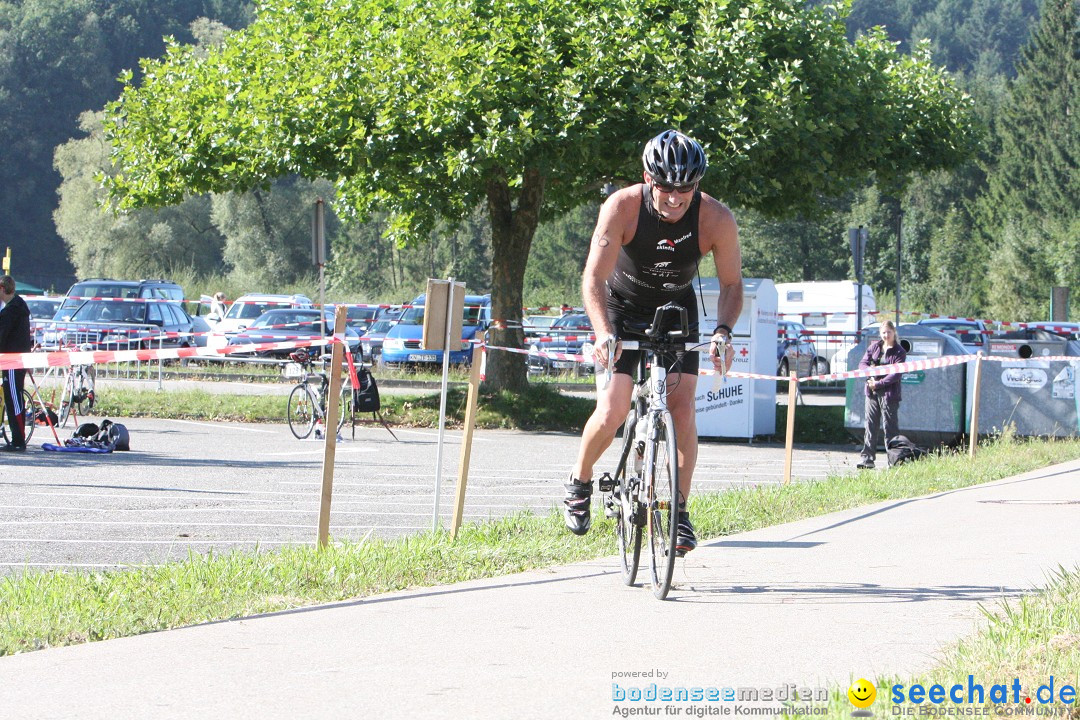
{"x":611,"y":232}
{"x":721,"y":238}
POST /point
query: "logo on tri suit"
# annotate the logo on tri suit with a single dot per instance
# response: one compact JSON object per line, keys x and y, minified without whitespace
{"x":669,"y":245}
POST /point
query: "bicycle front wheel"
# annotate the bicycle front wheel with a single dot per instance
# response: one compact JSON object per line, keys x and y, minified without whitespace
{"x":67,"y":400}
{"x":624,"y":501}
{"x":91,"y":395}
{"x":663,"y":504}
{"x":301,"y":411}
{"x":345,"y":406}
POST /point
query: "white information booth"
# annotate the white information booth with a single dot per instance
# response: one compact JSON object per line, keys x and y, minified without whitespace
{"x":740,"y":408}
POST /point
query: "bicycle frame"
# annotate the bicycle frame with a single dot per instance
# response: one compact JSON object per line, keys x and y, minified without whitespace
{"x":636,"y":494}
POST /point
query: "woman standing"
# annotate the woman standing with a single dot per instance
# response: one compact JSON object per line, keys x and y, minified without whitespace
{"x":882,"y":393}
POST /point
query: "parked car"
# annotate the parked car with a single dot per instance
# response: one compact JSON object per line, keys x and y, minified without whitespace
{"x":1068,"y":330}
{"x":537,"y":325}
{"x":84,"y":290}
{"x":972,"y":334}
{"x":42,"y":310}
{"x":290,"y":324}
{"x":247,"y":309}
{"x":796,"y":351}
{"x":128,"y":325}
{"x":43,"y":307}
{"x":371,"y":341}
{"x":358,"y":317}
{"x":391,"y":312}
{"x":401,"y":345}
{"x":568,"y":334}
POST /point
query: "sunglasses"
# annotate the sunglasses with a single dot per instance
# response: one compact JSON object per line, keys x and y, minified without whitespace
{"x":665,"y":188}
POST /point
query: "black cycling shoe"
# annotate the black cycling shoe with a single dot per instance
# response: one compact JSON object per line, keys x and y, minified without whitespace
{"x":686,"y":539}
{"x":577,"y":510}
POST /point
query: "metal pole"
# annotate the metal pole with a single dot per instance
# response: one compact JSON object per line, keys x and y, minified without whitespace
{"x":442,"y":402}
{"x":858,"y":278}
{"x":899,"y":259}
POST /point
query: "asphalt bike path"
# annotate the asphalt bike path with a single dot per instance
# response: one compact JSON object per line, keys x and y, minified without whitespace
{"x":876,"y":590}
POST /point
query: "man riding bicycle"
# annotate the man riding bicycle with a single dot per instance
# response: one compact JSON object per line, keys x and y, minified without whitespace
{"x":644,"y":253}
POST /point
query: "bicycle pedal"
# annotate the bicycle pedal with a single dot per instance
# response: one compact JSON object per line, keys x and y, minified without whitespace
{"x":606,"y":483}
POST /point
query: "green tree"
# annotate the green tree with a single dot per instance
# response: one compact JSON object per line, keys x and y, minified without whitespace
{"x":58,"y":59}
{"x":268,"y":232}
{"x":143,"y":243}
{"x":1029,"y":210}
{"x":426,"y":111}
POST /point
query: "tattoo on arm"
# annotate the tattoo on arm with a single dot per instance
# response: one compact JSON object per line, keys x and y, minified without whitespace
{"x":601,"y":240}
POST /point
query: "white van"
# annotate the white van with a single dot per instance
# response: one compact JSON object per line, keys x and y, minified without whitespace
{"x":828,"y":307}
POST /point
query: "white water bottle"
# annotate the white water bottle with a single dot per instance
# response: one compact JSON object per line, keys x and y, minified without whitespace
{"x":640,"y":429}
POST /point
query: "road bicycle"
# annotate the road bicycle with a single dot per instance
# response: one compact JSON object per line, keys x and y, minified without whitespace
{"x":307,"y":404}
{"x":79,"y":393}
{"x":642,"y":496}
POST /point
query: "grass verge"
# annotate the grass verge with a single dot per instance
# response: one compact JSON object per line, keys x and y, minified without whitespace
{"x":1028,"y":640}
{"x":539,"y":408}
{"x":43,"y":609}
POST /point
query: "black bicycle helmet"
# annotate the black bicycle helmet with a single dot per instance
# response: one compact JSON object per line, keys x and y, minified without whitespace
{"x":674,"y":159}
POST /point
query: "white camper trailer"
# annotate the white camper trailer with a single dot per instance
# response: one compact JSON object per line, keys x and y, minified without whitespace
{"x":829,"y":308}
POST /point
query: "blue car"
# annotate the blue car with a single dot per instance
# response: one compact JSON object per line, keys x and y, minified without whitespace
{"x":401,"y":346}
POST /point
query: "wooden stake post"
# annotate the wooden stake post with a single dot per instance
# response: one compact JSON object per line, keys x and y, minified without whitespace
{"x":792,"y":397}
{"x":974,"y":430}
{"x":467,"y":435}
{"x":330,"y":428}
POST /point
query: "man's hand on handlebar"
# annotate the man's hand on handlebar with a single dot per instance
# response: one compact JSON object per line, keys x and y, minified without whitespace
{"x":606,"y":351}
{"x":721,"y":342}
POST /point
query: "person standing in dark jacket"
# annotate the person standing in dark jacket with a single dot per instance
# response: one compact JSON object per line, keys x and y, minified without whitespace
{"x":882,"y":393}
{"x":15,"y":337}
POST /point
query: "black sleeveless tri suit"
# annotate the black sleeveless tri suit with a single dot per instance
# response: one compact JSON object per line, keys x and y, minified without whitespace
{"x":656,"y":267}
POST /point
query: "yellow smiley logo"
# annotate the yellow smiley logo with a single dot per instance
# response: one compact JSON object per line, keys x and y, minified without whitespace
{"x":862,"y":693}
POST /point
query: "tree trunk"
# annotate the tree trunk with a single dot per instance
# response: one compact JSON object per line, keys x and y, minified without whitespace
{"x":512,"y":230}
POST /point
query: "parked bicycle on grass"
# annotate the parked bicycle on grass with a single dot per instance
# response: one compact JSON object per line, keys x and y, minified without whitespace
{"x":79,"y":394}
{"x":308,"y":400}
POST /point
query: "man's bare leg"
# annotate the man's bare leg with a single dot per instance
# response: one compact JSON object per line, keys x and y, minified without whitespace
{"x":612,"y":405}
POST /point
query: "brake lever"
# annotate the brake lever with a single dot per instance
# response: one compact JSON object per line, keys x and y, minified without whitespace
{"x":609,"y":345}
{"x":720,"y":377}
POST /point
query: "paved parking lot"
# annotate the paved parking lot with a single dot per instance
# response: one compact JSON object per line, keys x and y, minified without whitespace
{"x":195,"y":486}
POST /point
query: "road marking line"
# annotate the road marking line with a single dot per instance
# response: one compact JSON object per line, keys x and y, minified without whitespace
{"x":218,"y":426}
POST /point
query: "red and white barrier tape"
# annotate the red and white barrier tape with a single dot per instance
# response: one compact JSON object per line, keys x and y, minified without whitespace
{"x":18,"y":361}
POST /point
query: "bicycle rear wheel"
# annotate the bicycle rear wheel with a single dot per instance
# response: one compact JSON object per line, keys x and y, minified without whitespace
{"x":301,"y":411}
{"x":627,"y":522}
{"x":663,"y":496}
{"x":29,"y":415}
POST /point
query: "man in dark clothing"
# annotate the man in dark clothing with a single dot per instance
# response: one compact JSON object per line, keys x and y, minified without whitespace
{"x":645,"y":250}
{"x":15,"y":337}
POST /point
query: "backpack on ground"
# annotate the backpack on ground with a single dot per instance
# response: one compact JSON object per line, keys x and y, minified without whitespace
{"x":366,"y":395}
{"x":901,"y":450}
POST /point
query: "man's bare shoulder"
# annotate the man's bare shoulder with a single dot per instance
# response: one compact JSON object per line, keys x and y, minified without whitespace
{"x":714,"y":211}
{"x":619,"y":213}
{"x":627,"y":198}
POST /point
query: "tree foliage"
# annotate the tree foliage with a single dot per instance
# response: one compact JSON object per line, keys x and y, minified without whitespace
{"x":428,"y":110}
{"x":1028,"y":212}
{"x":58,"y":59}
